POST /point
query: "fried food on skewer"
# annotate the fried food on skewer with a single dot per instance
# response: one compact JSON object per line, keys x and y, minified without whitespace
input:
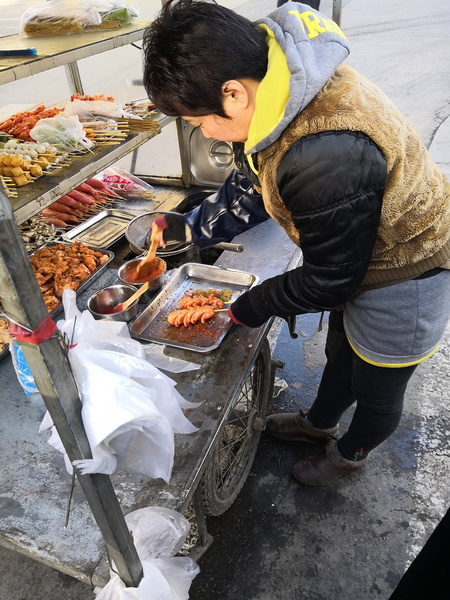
{"x":191,"y":301}
{"x":190,"y":316}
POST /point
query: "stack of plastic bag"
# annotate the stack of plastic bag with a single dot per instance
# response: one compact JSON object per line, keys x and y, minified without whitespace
{"x":158,"y":534}
{"x":130,"y":409}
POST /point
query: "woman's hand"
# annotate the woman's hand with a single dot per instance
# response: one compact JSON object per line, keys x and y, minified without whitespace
{"x":172,"y":228}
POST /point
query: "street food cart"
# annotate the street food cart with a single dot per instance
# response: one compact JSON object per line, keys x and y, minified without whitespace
{"x":77,"y":526}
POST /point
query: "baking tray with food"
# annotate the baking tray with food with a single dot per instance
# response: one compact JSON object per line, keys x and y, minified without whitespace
{"x":101,"y":230}
{"x":4,"y":339}
{"x":188,"y":281}
{"x":56,"y":267}
{"x":67,"y":265}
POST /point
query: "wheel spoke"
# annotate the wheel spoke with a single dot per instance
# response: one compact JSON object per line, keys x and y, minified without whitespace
{"x":236,"y":446}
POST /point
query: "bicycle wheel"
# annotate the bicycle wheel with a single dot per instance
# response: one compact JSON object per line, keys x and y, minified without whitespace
{"x":234,"y":452}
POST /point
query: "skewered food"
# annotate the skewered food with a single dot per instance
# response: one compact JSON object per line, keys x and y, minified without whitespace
{"x":225,"y":294}
{"x":20,"y":170}
{"x":20,"y":124}
{"x":190,"y":316}
{"x":200,"y":300}
{"x":86,"y":97}
{"x":35,"y":233}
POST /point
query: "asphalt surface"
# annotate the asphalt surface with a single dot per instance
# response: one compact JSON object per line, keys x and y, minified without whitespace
{"x":352,"y":540}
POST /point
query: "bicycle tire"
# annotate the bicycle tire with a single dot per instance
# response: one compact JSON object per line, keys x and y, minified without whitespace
{"x":234,"y":452}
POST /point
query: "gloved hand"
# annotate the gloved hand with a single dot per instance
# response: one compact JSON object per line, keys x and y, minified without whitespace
{"x":175,"y":228}
{"x":242,"y":312}
{"x":232,"y":317}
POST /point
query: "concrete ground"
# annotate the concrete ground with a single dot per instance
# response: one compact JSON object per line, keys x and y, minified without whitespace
{"x":352,"y":540}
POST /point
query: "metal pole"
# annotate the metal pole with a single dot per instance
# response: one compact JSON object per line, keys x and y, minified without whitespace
{"x":74,"y":78}
{"x":23,"y":302}
{"x":336,"y":16}
{"x":183,"y":145}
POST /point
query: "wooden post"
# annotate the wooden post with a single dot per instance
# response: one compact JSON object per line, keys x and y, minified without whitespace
{"x":22,"y":301}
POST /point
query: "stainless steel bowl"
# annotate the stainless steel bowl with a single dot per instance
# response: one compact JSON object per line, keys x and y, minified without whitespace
{"x":125,"y":271}
{"x":111,"y":296}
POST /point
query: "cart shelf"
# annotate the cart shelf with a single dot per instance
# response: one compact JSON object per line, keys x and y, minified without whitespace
{"x":59,"y":50}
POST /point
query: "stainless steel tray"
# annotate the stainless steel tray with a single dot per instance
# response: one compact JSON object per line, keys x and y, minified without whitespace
{"x":101,"y":230}
{"x":82,"y":287}
{"x":84,"y":284}
{"x":152,"y":326}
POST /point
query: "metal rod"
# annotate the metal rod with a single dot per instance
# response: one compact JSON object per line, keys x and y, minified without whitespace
{"x":49,"y":364}
{"x":336,"y":15}
{"x":74,"y":78}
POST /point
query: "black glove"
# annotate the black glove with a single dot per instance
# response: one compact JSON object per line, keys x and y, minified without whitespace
{"x":242,"y":312}
{"x":174,"y":226}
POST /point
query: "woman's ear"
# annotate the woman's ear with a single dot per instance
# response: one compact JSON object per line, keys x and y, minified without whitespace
{"x":235,"y":96}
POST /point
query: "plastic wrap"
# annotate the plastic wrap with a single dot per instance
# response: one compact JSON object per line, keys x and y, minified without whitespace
{"x":59,"y":17}
{"x":130,"y":409}
{"x":23,"y":371}
{"x":116,"y":10}
{"x":127,"y":185}
{"x":91,"y":109}
{"x":66,"y":133}
{"x":158,"y":534}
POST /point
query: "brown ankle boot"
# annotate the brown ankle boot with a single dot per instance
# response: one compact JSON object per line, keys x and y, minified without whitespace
{"x":293,"y":427}
{"x":325,"y":467}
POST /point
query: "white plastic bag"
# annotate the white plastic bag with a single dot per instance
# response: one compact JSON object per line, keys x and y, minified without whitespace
{"x":59,"y":17}
{"x":158,"y":534}
{"x":130,"y":409}
{"x":66,"y":133}
{"x":90,"y":109}
{"x":116,"y":10}
{"x":155,"y":354}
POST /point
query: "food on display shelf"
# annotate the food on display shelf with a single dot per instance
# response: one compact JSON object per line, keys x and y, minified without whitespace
{"x":20,"y":124}
{"x":66,"y":133}
{"x":56,"y":26}
{"x":86,"y":97}
{"x":101,"y":187}
{"x":121,"y":14}
{"x":190,"y":316}
{"x":78,"y":205}
{"x":5,"y":337}
{"x":61,"y":267}
{"x":19,"y":170}
{"x":35,"y":233}
{"x":58,"y":17}
{"x":140,"y":108}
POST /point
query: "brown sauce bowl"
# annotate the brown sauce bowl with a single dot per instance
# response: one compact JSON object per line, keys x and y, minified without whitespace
{"x":127,"y":274}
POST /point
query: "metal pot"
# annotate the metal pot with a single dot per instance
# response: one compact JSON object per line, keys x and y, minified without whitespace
{"x":129,"y":267}
{"x":137,"y":235}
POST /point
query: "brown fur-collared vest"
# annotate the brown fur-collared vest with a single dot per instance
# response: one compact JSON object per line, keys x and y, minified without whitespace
{"x":414,"y":231}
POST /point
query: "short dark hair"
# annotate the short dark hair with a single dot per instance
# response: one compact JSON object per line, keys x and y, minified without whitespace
{"x":192,"y":48}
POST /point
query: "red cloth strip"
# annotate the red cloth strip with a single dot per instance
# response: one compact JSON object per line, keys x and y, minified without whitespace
{"x":43,"y":331}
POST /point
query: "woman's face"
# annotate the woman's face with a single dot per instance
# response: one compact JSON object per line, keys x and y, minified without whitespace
{"x":239,"y":104}
{"x":219,"y":128}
